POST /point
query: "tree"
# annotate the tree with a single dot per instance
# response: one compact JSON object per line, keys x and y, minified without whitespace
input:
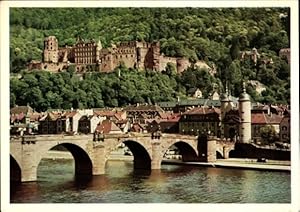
{"x":235,"y":48}
{"x":268,"y":134}
{"x":171,"y":70}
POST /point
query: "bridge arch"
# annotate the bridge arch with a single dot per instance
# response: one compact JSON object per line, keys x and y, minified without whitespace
{"x":83,"y":162}
{"x":141,"y":152}
{"x":15,"y":170}
{"x":187,"y":149}
{"x":223,"y":150}
{"x":219,"y":154}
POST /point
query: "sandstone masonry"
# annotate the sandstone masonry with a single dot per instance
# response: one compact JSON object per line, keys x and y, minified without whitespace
{"x":90,"y":56}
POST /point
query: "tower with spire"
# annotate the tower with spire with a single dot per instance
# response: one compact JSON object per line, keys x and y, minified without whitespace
{"x":245,"y":115}
{"x":225,"y":101}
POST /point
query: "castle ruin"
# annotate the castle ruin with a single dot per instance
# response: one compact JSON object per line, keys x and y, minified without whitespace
{"x":90,"y":56}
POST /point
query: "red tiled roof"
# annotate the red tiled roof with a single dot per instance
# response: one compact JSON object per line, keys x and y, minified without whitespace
{"x":137,"y":127}
{"x":274,"y":119}
{"x":118,"y":116}
{"x":107,"y":126}
{"x":258,"y":118}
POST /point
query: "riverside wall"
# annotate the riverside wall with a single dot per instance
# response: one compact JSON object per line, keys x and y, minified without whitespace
{"x":250,"y":151}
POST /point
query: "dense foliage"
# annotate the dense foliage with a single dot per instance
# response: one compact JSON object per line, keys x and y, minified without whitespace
{"x":211,"y":34}
{"x":44,"y":90}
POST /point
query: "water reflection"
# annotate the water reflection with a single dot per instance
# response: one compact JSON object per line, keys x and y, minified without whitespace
{"x":171,"y":184}
{"x":29,"y":191}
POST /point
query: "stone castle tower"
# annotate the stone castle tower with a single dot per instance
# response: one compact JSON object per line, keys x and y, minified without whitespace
{"x":50,"y":53}
{"x":245,"y":115}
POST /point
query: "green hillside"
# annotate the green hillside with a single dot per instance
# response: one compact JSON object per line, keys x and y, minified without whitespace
{"x":211,"y":34}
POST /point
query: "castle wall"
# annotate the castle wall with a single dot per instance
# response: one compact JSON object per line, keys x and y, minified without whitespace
{"x":132,"y":54}
{"x":182,"y":64}
{"x":54,"y":67}
{"x":202,"y":64}
{"x":107,"y":63}
{"x":85,"y":54}
{"x":126,"y":55}
{"x":165,"y":60}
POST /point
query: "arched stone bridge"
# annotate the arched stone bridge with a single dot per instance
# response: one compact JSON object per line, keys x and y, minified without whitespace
{"x":91,"y":153}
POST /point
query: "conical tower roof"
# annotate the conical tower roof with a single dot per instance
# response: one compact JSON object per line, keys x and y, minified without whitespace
{"x":224,"y":96}
{"x":244,"y":96}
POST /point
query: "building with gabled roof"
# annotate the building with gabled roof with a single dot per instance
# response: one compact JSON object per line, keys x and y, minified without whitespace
{"x":52,"y":123}
{"x":107,"y":127}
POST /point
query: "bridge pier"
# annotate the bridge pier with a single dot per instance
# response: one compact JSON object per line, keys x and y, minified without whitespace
{"x":226,"y":152}
{"x":156,"y":159}
{"x":98,"y":160}
{"x":29,"y":162}
{"x":29,"y":174}
{"x":207,"y":149}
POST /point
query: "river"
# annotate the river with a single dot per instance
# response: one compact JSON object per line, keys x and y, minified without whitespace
{"x":172,"y":184}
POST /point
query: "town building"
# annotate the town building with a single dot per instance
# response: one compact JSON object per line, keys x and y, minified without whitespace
{"x":52,"y":123}
{"x":167,"y":124}
{"x":194,"y":92}
{"x":140,"y":112}
{"x":201,"y":120}
{"x":285,"y":128}
{"x":107,"y":127}
{"x":88,"y":123}
{"x":23,"y":120}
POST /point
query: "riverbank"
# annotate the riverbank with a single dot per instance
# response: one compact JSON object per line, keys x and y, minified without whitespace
{"x":237,"y":163}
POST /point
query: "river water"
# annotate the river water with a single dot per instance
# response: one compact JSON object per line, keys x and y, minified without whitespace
{"x":172,"y":184}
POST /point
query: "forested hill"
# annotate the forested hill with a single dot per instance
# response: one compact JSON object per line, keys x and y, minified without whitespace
{"x":211,"y":34}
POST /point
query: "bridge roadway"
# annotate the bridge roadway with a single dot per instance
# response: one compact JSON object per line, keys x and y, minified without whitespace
{"x":91,"y":152}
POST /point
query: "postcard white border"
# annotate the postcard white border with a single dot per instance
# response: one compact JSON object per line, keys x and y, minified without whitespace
{"x":4,"y":115}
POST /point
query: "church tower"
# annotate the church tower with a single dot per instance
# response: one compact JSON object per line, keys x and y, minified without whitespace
{"x":50,"y":50}
{"x":245,"y":115}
